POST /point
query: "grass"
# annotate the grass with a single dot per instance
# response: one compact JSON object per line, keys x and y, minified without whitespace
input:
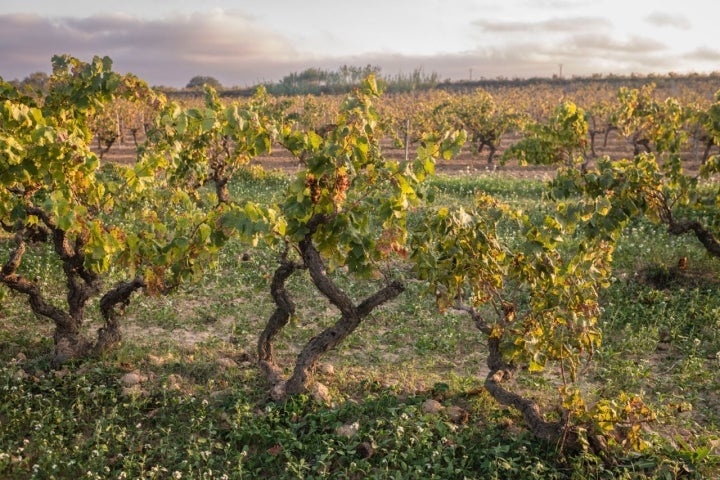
{"x":201,"y":410}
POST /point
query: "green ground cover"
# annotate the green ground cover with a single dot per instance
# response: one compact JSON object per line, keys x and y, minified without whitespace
{"x":182,"y":397}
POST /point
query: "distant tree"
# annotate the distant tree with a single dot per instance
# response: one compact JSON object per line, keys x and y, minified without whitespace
{"x":199,"y":81}
{"x":315,"y":81}
{"x":37,"y":82}
{"x":353,"y":74}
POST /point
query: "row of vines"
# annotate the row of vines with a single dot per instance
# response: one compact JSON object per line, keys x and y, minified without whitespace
{"x":530,"y":283}
{"x":613,"y":122}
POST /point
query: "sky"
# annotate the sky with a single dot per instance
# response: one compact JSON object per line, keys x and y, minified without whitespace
{"x":246,"y":42}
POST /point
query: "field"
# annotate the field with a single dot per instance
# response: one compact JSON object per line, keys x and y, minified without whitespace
{"x":184,"y":395}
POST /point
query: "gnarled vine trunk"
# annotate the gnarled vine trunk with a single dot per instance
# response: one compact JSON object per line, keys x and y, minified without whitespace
{"x":82,"y":284}
{"x":284,"y":310}
{"x":500,"y":373}
{"x":556,"y":432}
{"x":708,"y":240}
{"x":350,"y":318}
{"x":351,"y":315}
{"x":119,"y":297}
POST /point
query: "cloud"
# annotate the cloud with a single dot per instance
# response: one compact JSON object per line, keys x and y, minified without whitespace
{"x":553,"y":25}
{"x":606,"y":44}
{"x":705,"y":54}
{"x":667,"y":20}
{"x":595,"y":53}
{"x":556,"y":4}
{"x":239,"y":51}
{"x":162,"y":51}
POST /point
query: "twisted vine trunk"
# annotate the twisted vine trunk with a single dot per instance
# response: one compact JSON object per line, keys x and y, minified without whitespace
{"x":350,"y":316}
{"x":332,"y":336}
{"x":69,"y":342}
{"x":117,"y":298}
{"x":556,"y":432}
{"x":708,"y":240}
{"x":284,"y":310}
{"x":82,"y":284}
{"x":500,"y":373}
{"x":222,"y":190}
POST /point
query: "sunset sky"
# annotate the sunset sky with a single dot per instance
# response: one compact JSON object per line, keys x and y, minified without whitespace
{"x":245,"y":42}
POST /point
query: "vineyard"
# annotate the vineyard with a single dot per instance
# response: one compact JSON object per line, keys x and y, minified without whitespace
{"x":504,"y":109}
{"x":499,"y":282}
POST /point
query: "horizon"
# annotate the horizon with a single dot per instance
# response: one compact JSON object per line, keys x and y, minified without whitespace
{"x":243,"y":43}
{"x":599,"y":76}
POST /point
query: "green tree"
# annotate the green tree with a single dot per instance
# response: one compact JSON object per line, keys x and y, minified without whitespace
{"x":655,"y":183}
{"x":209,"y":144}
{"x":650,"y":125}
{"x":37,"y":82}
{"x":563,"y":139}
{"x":346,"y":208}
{"x":484,"y":120}
{"x":199,"y":81}
{"x":50,"y":192}
{"x":534,"y":296}
{"x":96,"y":223}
